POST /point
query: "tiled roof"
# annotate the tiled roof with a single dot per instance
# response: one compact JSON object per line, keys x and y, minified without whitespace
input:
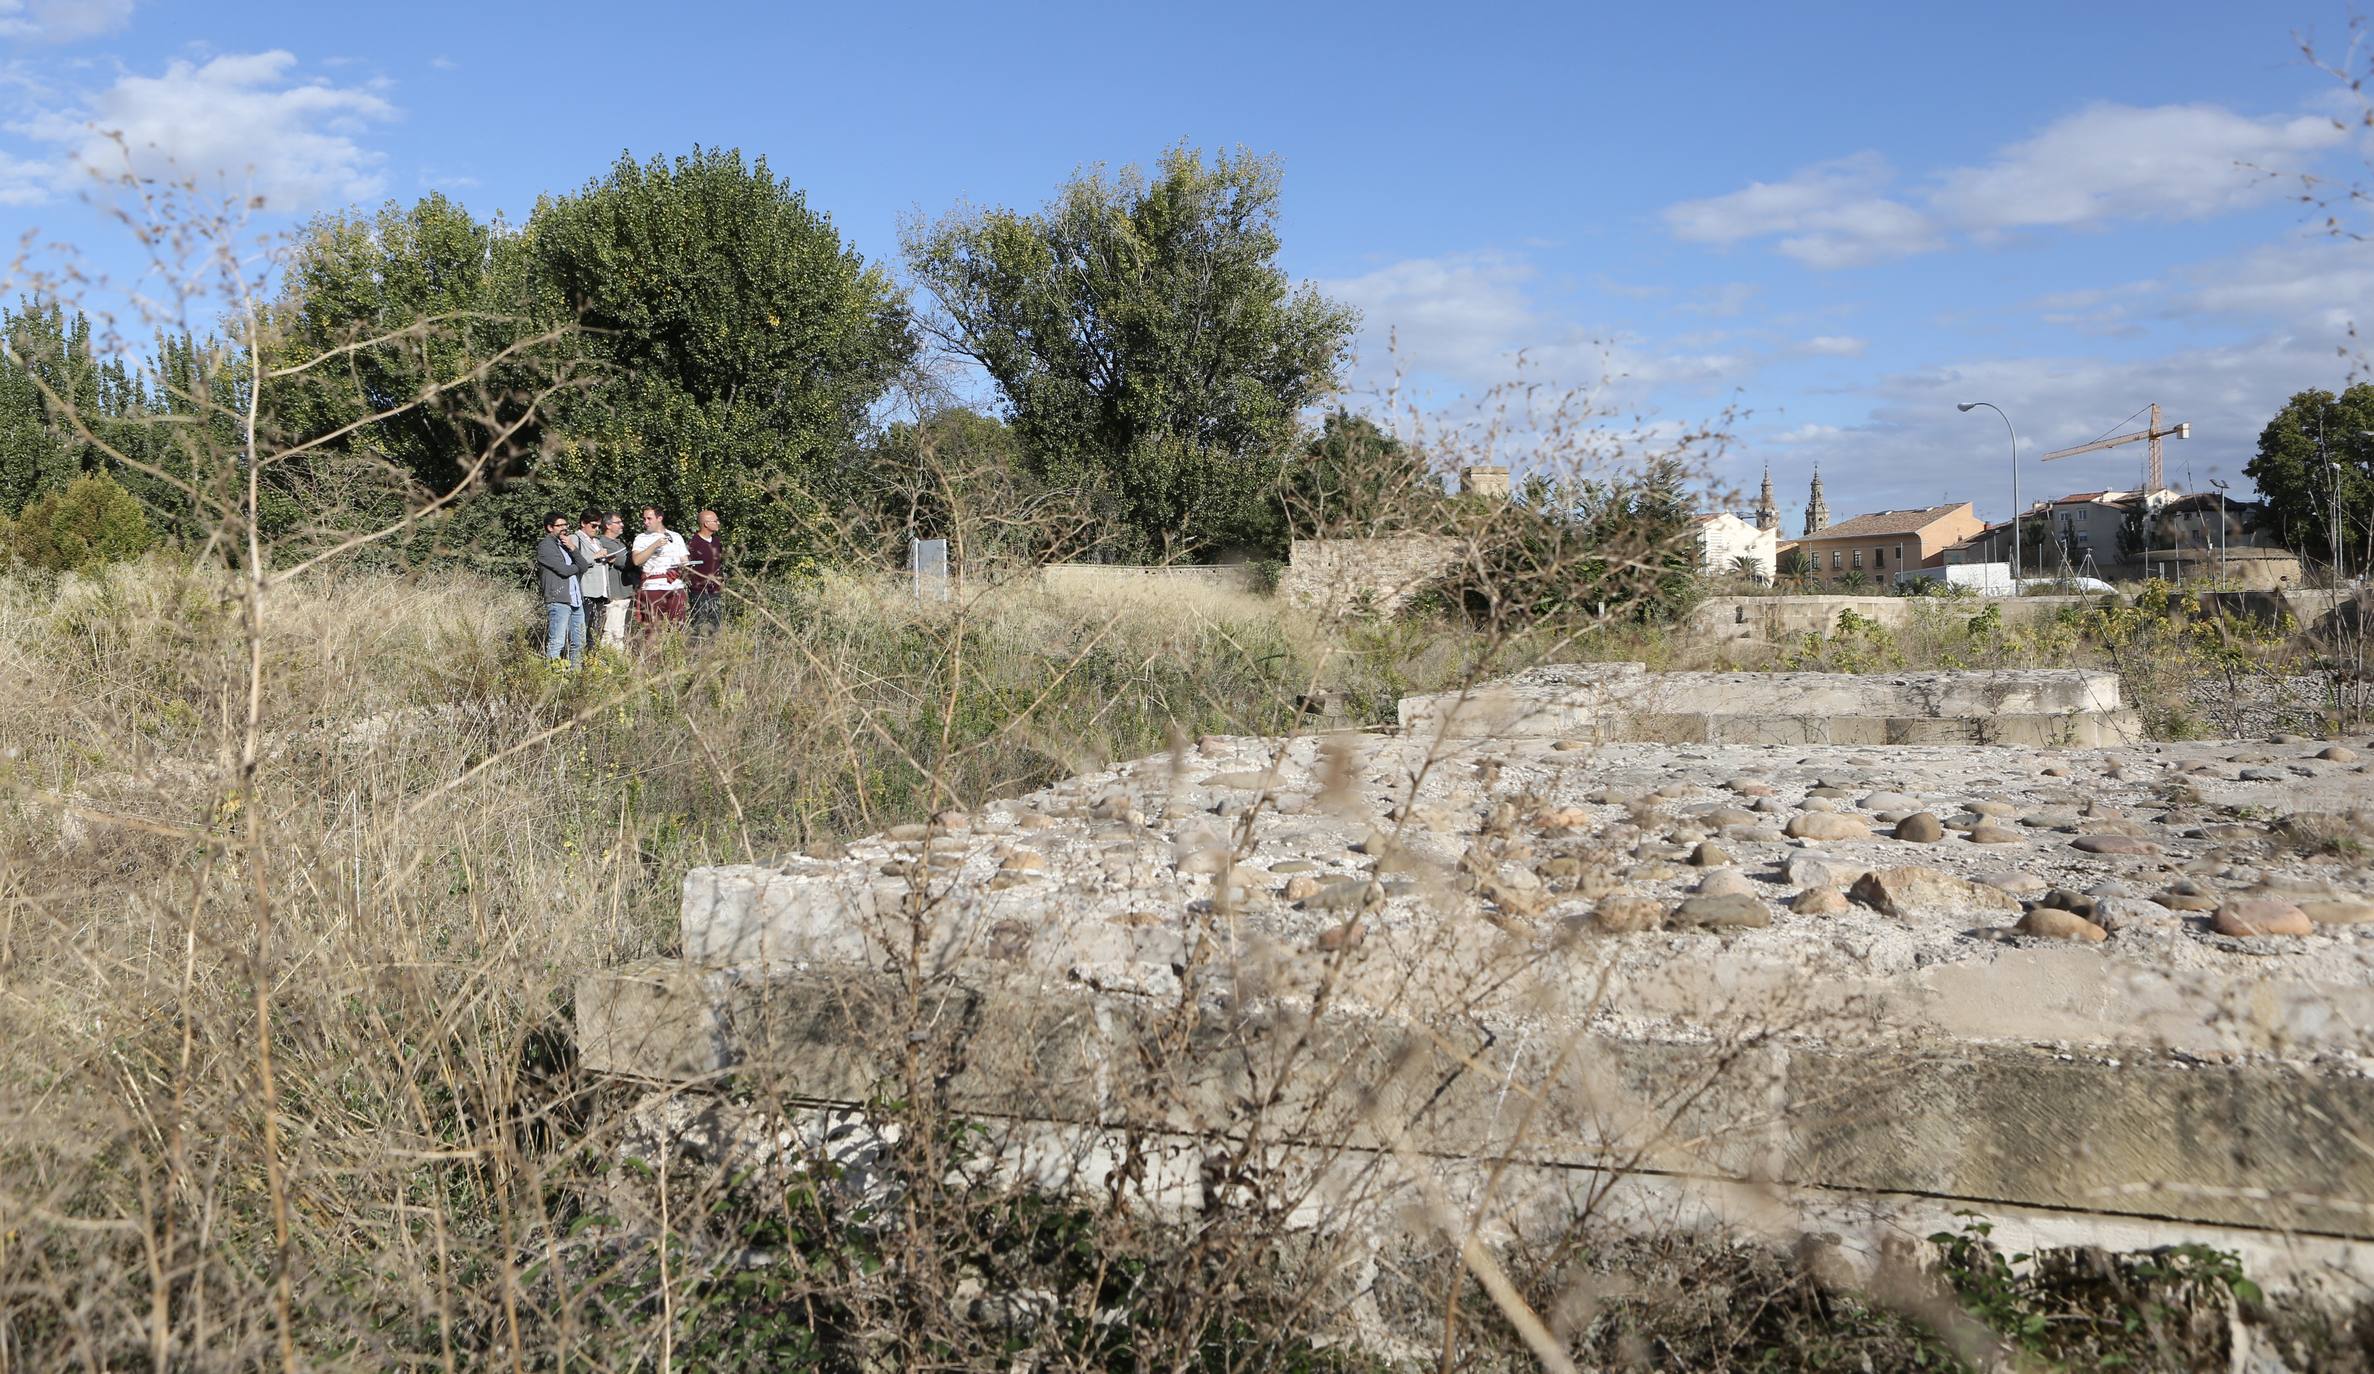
{"x":1886,"y":522}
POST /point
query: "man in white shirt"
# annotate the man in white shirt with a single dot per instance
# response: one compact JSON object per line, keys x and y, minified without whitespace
{"x":661,"y":553}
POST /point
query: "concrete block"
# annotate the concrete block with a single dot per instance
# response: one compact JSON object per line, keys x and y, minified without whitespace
{"x":2244,"y":1145}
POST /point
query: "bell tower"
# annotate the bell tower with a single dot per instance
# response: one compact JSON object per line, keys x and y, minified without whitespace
{"x":1817,"y":510}
{"x":1767,"y":513}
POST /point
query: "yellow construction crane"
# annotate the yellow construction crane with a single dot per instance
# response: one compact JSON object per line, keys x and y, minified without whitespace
{"x":2153,"y":481}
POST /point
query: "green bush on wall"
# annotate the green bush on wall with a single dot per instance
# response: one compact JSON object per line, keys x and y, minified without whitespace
{"x":93,"y":521}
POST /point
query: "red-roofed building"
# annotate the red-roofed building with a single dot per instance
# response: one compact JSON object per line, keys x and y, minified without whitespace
{"x":1884,"y":543}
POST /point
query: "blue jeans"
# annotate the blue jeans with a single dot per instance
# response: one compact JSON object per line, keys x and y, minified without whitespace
{"x":564,"y":624}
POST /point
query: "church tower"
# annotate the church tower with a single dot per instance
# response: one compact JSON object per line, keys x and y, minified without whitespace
{"x":1817,"y":510}
{"x":1767,"y":513}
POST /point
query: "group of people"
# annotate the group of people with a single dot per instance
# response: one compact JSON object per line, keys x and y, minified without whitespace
{"x":593,"y":577}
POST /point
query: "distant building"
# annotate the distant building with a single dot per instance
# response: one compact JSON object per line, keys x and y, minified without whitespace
{"x":1992,"y":544}
{"x":2205,"y":537}
{"x":1817,"y":510}
{"x":1884,"y":543}
{"x":2104,"y":533}
{"x":1724,"y":539}
{"x":2103,"y":526}
{"x":1767,"y":510}
{"x":2207,"y":522}
{"x":1484,"y":479}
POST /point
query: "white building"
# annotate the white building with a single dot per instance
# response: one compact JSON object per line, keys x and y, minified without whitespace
{"x":1724,"y":539}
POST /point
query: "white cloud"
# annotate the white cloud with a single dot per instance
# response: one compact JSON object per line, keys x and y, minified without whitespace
{"x":2317,"y":286}
{"x":23,"y":182}
{"x":1473,"y":320}
{"x":2110,"y":162}
{"x":240,"y":121}
{"x":1475,"y":331}
{"x":1827,"y":215}
{"x":1808,"y":434}
{"x":1833,"y":346}
{"x":62,"y":21}
{"x":2102,"y":164}
{"x":2307,"y":285}
{"x":1455,"y":315}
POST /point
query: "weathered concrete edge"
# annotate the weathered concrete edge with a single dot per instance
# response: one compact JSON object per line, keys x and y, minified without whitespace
{"x":1383,"y":1195}
{"x":2262,"y":1147}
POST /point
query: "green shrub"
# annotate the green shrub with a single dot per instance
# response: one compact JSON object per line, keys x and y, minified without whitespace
{"x":90,"y":523}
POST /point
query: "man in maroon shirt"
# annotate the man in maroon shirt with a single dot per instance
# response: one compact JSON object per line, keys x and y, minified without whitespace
{"x":707,"y":573}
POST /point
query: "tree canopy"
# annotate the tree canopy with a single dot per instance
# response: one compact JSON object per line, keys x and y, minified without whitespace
{"x":2297,"y":486}
{"x":1145,"y":340}
{"x":56,"y":397}
{"x":400,"y":300}
{"x":1354,"y":479}
{"x":689,"y":332}
{"x":741,"y":344}
{"x":680,"y":333}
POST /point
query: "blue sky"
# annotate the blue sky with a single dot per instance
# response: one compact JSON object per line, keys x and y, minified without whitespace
{"x":1842,"y":218}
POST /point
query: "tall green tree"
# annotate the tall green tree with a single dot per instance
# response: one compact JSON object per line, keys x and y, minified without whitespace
{"x":1354,"y":479}
{"x":68,"y":411}
{"x":387,"y":309}
{"x":52,"y":389}
{"x":1146,"y":342}
{"x":740,"y":346}
{"x":2314,"y":458}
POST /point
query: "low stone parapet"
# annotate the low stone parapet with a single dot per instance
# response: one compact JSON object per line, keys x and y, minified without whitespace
{"x":1623,"y":701}
{"x":1785,"y":620}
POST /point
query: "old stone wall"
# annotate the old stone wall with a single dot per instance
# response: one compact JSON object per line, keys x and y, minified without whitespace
{"x":1346,"y":576}
{"x":1622,"y":701}
{"x":1779,"y":619}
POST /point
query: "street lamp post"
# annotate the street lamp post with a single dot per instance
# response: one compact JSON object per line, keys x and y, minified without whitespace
{"x":1968,"y":406}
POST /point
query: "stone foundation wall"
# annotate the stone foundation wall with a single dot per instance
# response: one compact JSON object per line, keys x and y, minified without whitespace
{"x":1348,"y":576}
{"x":1779,"y":619}
{"x":1745,"y":973}
{"x":1622,"y":701}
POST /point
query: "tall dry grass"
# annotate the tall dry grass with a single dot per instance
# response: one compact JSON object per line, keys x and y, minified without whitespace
{"x":450,"y":833}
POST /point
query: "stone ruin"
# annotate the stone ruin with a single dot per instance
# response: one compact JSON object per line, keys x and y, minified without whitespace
{"x":1767,"y":977}
{"x":1605,"y":702}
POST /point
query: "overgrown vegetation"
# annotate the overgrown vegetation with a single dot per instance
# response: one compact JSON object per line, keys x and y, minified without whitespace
{"x":458,"y":833}
{"x":302,"y":850}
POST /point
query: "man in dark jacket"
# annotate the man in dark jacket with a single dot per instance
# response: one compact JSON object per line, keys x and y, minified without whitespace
{"x":604,"y":586}
{"x":558,"y":567}
{"x":707,"y":574}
